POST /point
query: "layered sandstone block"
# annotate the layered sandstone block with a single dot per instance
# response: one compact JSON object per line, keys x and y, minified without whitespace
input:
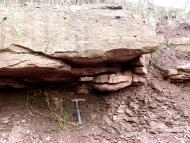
{"x":179,"y":74}
{"x":92,"y":43}
{"x":112,"y":82}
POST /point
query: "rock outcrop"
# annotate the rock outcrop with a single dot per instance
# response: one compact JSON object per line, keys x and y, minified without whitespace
{"x":98,"y":44}
{"x":179,"y":74}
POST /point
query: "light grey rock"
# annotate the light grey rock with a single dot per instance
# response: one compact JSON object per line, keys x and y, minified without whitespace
{"x":45,"y":46}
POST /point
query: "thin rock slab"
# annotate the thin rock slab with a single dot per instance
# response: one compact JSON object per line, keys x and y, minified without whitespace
{"x":178,"y":74}
{"x":184,"y":68}
{"x":138,"y":79}
{"x":113,"y":78}
{"x":19,"y":62}
{"x":111,"y":87}
{"x":113,"y":82}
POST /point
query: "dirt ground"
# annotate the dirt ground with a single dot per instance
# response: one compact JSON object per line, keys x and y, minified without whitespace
{"x":157,"y":112}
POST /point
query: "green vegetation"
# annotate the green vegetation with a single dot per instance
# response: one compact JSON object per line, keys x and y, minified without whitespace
{"x":62,"y":122}
{"x":55,"y":107}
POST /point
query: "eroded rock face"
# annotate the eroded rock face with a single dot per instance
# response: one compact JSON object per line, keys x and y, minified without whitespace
{"x":93,"y":44}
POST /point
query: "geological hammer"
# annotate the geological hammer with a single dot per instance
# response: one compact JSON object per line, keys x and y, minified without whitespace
{"x":78,"y":110}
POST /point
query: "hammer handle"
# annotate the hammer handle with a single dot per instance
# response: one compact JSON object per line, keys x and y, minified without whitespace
{"x":79,"y":117}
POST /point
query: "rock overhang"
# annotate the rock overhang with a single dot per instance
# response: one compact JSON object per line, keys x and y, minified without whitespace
{"x":93,"y":41}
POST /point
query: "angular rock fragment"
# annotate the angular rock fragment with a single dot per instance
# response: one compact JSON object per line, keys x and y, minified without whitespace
{"x":140,"y":67}
{"x":142,"y":61}
{"x":138,"y":79}
{"x":140,"y":70}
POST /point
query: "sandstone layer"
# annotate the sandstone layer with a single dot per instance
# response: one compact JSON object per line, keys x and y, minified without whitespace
{"x":179,"y":74}
{"x":91,"y":43}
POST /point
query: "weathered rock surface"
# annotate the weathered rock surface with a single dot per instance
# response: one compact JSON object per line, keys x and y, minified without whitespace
{"x":142,"y":61}
{"x":138,"y":79}
{"x":114,"y":78}
{"x":47,"y":46}
{"x":181,"y":43}
{"x":112,"y":82}
{"x":178,"y":41}
{"x":184,"y":68}
{"x":179,"y":74}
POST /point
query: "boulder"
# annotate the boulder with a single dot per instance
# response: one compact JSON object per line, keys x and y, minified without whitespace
{"x":89,"y":44}
{"x":92,"y":34}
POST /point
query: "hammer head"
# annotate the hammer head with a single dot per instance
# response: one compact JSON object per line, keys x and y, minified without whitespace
{"x":78,"y":100}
